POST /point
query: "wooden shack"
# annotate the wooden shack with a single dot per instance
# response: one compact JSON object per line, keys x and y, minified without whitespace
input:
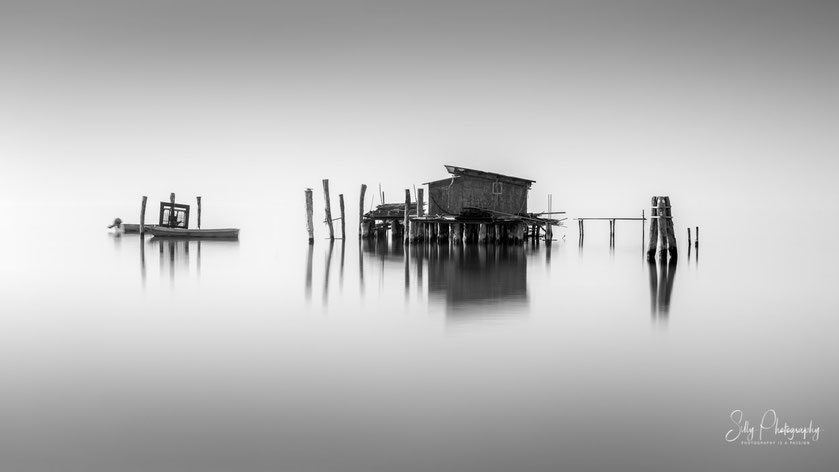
{"x":476,"y":189}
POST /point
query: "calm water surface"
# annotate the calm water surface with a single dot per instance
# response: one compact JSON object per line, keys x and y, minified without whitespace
{"x":118,"y":353}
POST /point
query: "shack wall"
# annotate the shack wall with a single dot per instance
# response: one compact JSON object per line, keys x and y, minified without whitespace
{"x":448,"y":197}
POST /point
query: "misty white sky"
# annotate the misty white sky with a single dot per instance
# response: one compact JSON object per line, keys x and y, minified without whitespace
{"x":602,"y":103}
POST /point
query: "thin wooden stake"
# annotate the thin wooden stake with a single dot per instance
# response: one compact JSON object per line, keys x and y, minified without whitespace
{"x":407,"y":210}
{"x":199,"y":211}
{"x":172,"y":220}
{"x":343,"y":219}
{"x":143,"y":216}
{"x":328,"y":209}
{"x":361,"y":211}
{"x":309,"y":210}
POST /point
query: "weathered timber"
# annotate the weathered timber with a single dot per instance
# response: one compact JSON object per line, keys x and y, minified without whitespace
{"x":328,"y":210}
{"x":173,"y":220}
{"x":696,"y":244}
{"x":407,"y":210}
{"x":199,"y":211}
{"x":662,"y":229}
{"x":309,"y":210}
{"x":420,"y":203}
{"x":361,"y":233}
{"x":482,"y":233}
{"x":143,"y":216}
{"x":671,"y":231}
{"x":343,"y":219}
{"x":653,"y":240}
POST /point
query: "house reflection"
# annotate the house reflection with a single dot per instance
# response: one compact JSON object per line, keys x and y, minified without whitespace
{"x":478,"y":280}
{"x":471,"y":281}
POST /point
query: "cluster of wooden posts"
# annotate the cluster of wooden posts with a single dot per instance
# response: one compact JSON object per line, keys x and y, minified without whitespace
{"x":662,"y":233}
{"x":409,"y":223}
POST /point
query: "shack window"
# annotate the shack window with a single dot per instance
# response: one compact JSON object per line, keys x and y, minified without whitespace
{"x":496,"y":188}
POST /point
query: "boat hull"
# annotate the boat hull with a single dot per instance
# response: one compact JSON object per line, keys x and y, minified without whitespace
{"x":218,"y":233}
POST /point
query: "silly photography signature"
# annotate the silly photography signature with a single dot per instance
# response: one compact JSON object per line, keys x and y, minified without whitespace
{"x":770,"y":432}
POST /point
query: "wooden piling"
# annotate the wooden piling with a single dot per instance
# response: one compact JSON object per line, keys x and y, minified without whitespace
{"x":672,"y":248}
{"x":689,"y":240}
{"x":696,"y":244}
{"x":653,"y":240}
{"x":442,"y":233}
{"x":173,"y":221}
{"x":343,"y":224}
{"x":456,"y":234}
{"x":361,"y":211}
{"x":328,"y":210}
{"x":407,"y":209}
{"x":662,"y":229}
{"x":482,"y":233}
{"x":143,"y":216}
{"x":420,"y":203}
{"x":309,"y":209}
{"x":199,"y":211}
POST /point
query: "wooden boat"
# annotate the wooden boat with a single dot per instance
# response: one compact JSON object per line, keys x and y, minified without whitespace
{"x":131,"y":227}
{"x":217,"y":233}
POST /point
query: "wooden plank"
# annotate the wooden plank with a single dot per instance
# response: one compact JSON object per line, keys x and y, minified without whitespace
{"x":143,"y":216}
{"x":361,"y":211}
{"x":309,"y":210}
{"x":328,"y":210}
{"x":653,"y":239}
{"x":343,"y":219}
{"x":407,"y":210}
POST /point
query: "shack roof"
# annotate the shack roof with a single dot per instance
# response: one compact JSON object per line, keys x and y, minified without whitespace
{"x":456,"y":171}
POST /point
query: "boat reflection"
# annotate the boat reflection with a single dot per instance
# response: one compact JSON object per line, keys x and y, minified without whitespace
{"x":174,"y":253}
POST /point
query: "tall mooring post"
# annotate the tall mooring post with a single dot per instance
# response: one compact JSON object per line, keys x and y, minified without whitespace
{"x":309,"y":210}
{"x":361,"y":227}
{"x":328,"y":210}
{"x":343,"y":220}
{"x":173,"y":220}
{"x":199,"y":211}
{"x":405,"y":228}
{"x":420,"y":203}
{"x":143,"y":216}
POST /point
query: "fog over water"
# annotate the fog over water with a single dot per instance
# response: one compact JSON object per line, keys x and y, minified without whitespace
{"x":119,"y":353}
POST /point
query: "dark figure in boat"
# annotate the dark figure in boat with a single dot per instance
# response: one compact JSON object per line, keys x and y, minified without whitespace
{"x":117,"y":225}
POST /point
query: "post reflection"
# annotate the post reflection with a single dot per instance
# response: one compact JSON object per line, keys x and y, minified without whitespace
{"x":661,"y":274}
{"x":174,"y":254}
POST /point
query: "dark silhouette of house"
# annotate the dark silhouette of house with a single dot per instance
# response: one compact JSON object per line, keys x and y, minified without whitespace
{"x":477,"y":189}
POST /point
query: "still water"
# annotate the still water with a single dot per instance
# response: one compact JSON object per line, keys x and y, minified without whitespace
{"x":121,"y":353}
